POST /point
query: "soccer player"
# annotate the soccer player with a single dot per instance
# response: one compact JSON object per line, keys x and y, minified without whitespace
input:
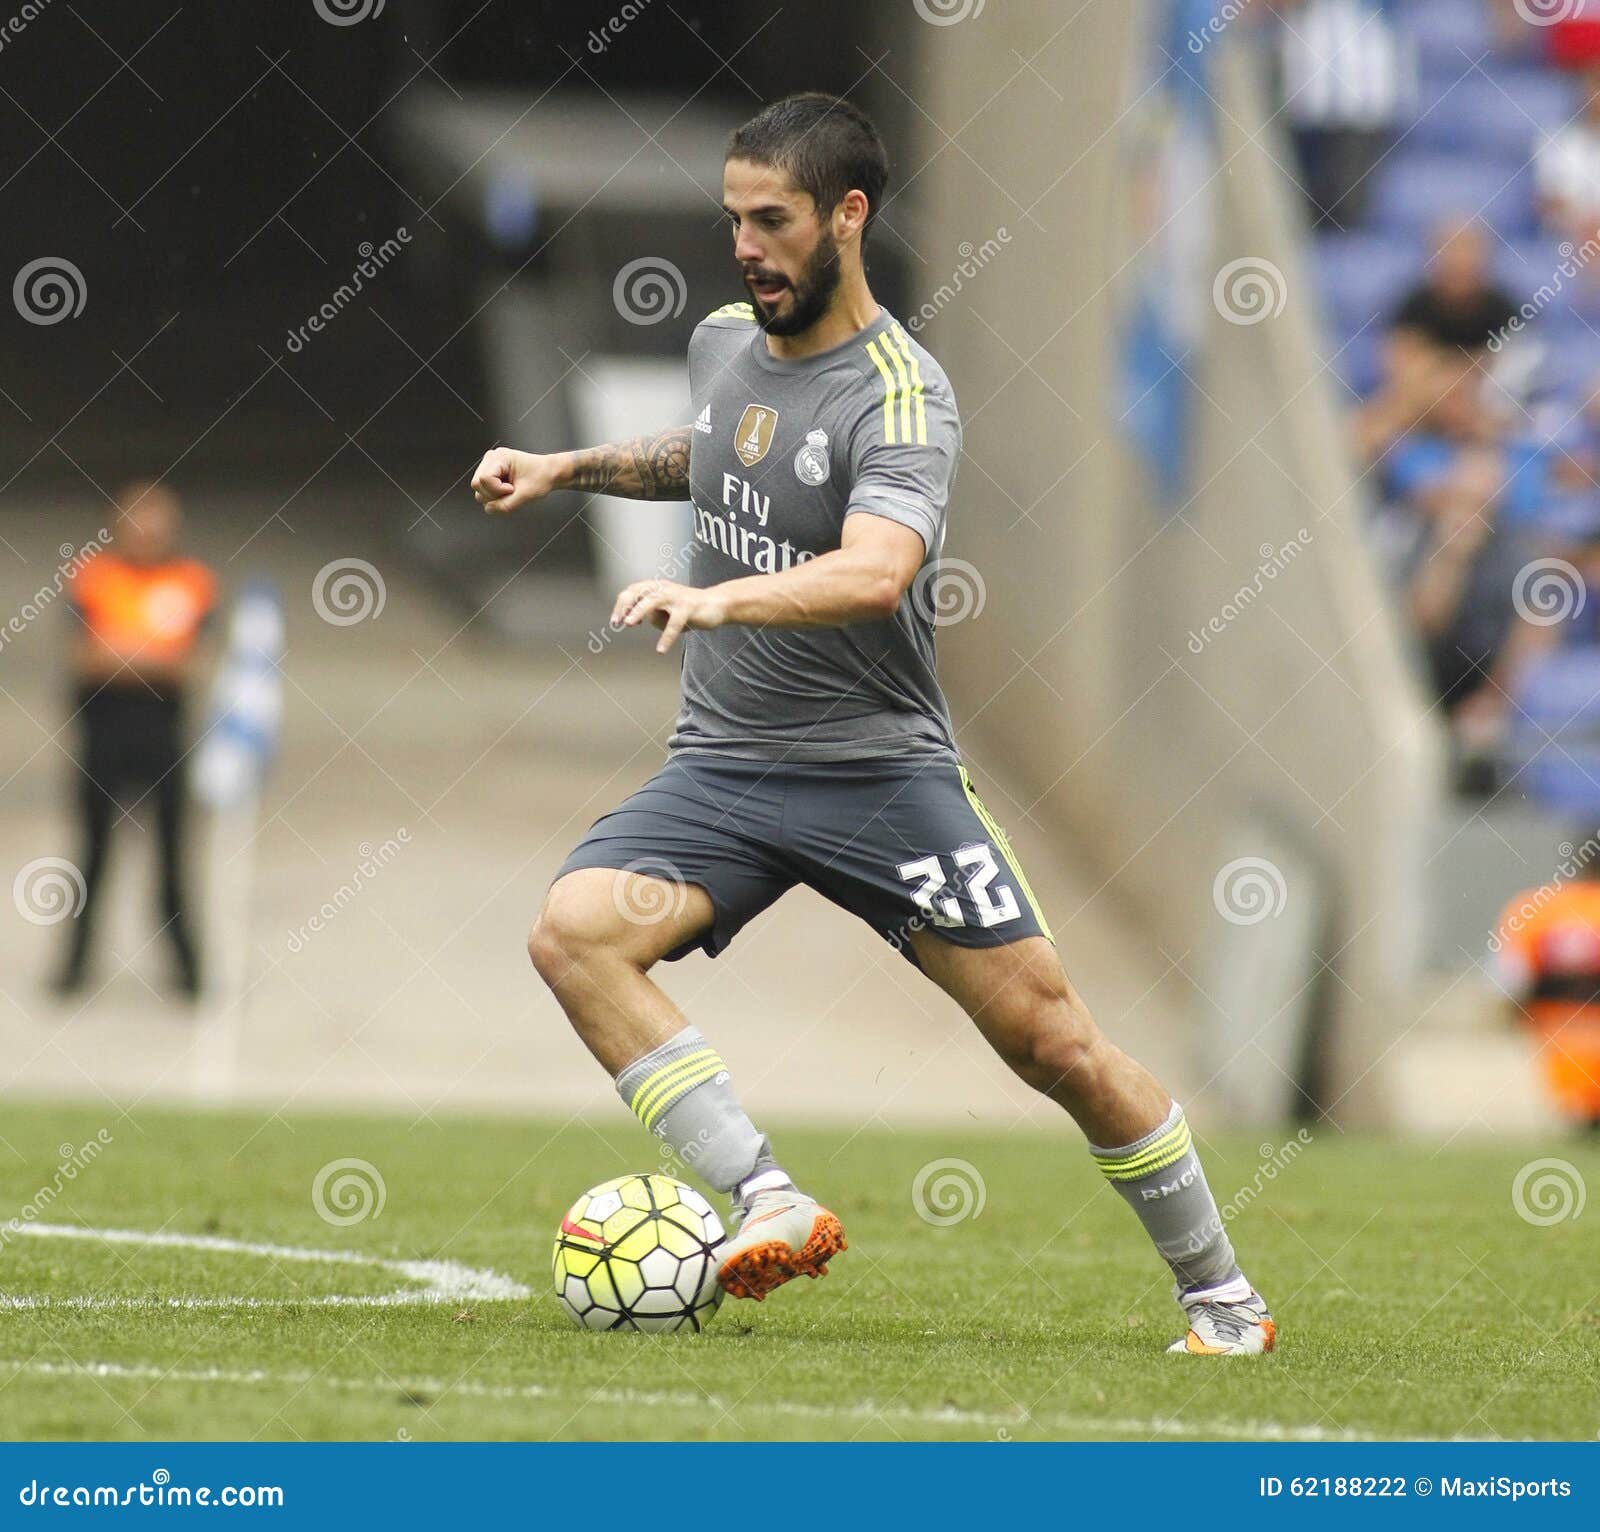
{"x":813,"y":744}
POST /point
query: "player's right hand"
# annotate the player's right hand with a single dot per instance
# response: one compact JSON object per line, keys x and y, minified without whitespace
{"x":507,"y":479}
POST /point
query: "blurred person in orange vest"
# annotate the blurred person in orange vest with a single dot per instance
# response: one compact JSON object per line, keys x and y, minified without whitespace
{"x":1547,"y":950}
{"x":141,"y":607}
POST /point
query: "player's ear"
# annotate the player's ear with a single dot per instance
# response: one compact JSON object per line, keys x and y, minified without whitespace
{"x":850,"y":216}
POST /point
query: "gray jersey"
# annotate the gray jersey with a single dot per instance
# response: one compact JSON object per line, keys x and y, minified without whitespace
{"x":782,"y":452}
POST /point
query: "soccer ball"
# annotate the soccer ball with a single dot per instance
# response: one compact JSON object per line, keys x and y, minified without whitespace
{"x":639,"y":1253}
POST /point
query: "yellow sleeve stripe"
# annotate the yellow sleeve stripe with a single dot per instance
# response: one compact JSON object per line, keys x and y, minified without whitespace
{"x":905,"y":419}
{"x":888,"y":390}
{"x":903,"y":393}
{"x":1003,"y":845}
{"x":667,"y":1075}
{"x":899,"y":337}
{"x":733,"y":311}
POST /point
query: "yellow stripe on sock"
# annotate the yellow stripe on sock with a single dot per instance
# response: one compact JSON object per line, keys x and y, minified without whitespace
{"x":664,"y":1078}
{"x":888,"y":390}
{"x":1170,"y":1146}
{"x":680,"y":1088}
{"x":1147,"y":1169}
{"x":666,"y":1073}
{"x":1003,"y":845}
{"x":1169,"y":1136}
{"x":904,"y":345}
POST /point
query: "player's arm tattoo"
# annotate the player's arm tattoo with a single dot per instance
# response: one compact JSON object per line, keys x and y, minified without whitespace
{"x":643,"y":468}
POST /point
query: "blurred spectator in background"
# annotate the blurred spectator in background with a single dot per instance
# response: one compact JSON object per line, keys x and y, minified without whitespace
{"x":1436,"y":337}
{"x":1454,"y":533}
{"x":1547,"y":952}
{"x":1349,"y":76}
{"x":1457,"y":305}
{"x":1567,"y":171}
{"x":140,"y":607}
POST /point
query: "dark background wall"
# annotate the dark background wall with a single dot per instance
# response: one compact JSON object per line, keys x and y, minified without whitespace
{"x":212,"y":171}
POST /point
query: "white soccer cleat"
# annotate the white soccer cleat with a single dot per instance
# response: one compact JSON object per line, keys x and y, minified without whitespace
{"x":783,"y":1234}
{"x":1218,"y":1328}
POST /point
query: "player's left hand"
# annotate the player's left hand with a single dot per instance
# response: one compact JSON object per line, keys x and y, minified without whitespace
{"x":670,"y":606}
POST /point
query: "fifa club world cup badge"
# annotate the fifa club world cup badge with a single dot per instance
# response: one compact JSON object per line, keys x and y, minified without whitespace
{"x":811,"y":461}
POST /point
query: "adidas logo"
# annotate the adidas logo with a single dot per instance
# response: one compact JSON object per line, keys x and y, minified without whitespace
{"x":702,"y":421}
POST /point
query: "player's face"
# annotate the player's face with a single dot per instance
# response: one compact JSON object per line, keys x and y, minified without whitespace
{"x":789,"y":259}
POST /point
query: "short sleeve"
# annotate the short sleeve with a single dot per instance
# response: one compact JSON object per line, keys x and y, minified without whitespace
{"x":905,"y":450}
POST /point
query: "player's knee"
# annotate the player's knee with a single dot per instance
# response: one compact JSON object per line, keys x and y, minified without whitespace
{"x":1062,"y":1050}
{"x":563,"y":938}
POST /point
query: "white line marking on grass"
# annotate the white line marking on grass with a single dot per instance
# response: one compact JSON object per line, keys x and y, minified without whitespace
{"x":628,"y":1398}
{"x":441,"y":1281}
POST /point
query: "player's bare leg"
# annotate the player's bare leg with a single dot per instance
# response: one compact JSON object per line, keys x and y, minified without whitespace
{"x":1024,"y":1004}
{"x":594,"y":943}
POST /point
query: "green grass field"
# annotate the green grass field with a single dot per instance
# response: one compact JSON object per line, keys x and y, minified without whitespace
{"x":1412,"y":1299}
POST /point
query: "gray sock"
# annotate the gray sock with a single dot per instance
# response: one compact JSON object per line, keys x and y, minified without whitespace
{"x":681,"y":1092}
{"x":1160,"y":1178}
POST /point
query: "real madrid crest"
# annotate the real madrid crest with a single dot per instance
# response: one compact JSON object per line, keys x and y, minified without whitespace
{"x":811,"y":461}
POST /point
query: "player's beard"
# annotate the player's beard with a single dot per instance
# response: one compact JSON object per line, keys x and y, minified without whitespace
{"x":811,"y":292}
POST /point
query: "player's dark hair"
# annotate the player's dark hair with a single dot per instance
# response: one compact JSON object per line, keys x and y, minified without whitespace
{"x":825,"y":145}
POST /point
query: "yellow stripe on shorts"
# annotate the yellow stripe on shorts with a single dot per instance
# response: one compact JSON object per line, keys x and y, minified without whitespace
{"x":1003,"y":845}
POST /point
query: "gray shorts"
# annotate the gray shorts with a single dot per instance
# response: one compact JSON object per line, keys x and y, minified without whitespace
{"x":906,"y":845}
